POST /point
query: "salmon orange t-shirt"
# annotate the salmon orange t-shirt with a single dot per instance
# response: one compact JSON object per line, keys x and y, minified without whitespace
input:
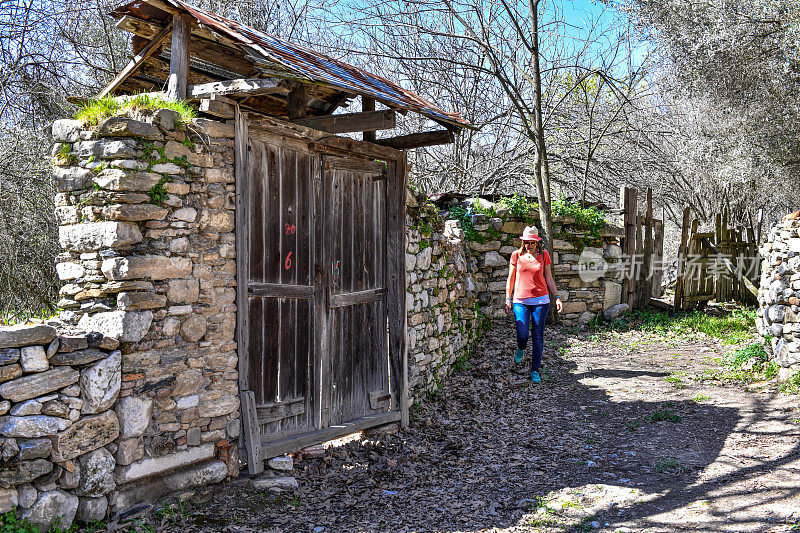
{"x":530,"y":281}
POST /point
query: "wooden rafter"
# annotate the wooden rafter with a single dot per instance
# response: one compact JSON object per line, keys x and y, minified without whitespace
{"x":418,"y":140}
{"x":242,"y":87}
{"x":351,"y":122}
{"x":137,"y":61}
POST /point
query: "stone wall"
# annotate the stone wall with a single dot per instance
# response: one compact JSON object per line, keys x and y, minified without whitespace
{"x":146,"y":213}
{"x":456,"y":281}
{"x":59,"y":431}
{"x":778,"y":315}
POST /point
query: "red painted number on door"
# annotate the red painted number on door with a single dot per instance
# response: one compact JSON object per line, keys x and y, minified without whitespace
{"x":288,"y":262}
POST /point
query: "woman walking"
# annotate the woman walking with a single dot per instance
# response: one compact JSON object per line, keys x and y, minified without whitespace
{"x":529,"y":278}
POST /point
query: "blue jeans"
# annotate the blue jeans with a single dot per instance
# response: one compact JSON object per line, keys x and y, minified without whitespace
{"x":523,"y":314}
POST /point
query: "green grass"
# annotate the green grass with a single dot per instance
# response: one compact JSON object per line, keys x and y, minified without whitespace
{"x":9,"y":317}
{"x":670,"y":465}
{"x":96,"y":111}
{"x":676,"y":381}
{"x":664,"y":415}
{"x":752,"y":351}
{"x":701,"y":398}
{"x":734,"y":327}
{"x":632,"y":425}
{"x":791,"y":385}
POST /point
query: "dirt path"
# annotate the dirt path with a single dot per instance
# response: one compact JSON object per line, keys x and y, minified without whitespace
{"x":578,"y":452}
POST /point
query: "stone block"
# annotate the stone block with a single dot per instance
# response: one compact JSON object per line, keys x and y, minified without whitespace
{"x":100,"y":384}
{"x":51,"y":508}
{"x":69,"y":179}
{"x":217,"y":220}
{"x":66,"y":130}
{"x":218,"y":406}
{"x":34,"y":448}
{"x":97,"y":473}
{"x":25,"y":335}
{"x":615,"y":312}
{"x":30,"y":427}
{"x":134,"y":212}
{"x":276,"y":483}
{"x":92,"y":236}
{"x":562,"y":245}
{"x":27,"y":408}
{"x":85,"y":435}
{"x":493,"y":259}
{"x":26,"y":494}
{"x":574,"y":307}
{"x":134,"y":416}
{"x":9,"y":356}
{"x":159,"y":465}
{"x":153,"y":488}
{"x":131,"y":301}
{"x":8,"y":500}
{"x":214,"y":128}
{"x":194,"y":328}
{"x":128,"y":127}
{"x":18,"y":472}
{"x":78,"y":357}
{"x":109,"y":149}
{"x":91,"y":509}
{"x":483,"y":247}
{"x":39,"y":384}
{"x":182,"y":291}
{"x":9,"y":372}
{"x":283,"y":463}
{"x":185,"y":214}
{"x":612,"y":294}
{"x":116,"y":179}
{"x":146,"y":267}
{"x":125,"y":326}
{"x":33,"y":359}
{"x":129,"y":451}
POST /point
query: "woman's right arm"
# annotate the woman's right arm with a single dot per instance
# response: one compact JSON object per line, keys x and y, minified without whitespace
{"x":512,"y":276}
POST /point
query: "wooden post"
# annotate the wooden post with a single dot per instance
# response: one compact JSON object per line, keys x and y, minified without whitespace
{"x":396,"y":284}
{"x":658,"y":258}
{"x":251,"y":433}
{"x":682,"y":249}
{"x":179,"y":57}
{"x":297,"y":102}
{"x":647,"y":281}
{"x":368,"y":104}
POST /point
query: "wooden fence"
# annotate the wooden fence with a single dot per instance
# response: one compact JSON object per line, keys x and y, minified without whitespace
{"x":721,"y":265}
{"x":642,"y":248}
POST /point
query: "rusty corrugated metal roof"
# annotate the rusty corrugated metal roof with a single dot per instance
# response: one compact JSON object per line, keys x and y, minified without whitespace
{"x":308,"y":64}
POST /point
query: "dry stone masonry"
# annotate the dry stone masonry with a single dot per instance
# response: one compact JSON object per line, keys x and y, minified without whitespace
{"x":778,"y":315}
{"x":146,"y":213}
{"x":58,"y":431}
{"x":455,"y":281}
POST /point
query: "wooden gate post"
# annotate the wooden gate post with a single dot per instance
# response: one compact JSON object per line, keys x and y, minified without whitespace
{"x":678,"y":302}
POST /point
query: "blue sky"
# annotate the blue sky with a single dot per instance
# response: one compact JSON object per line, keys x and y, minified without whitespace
{"x":578,"y":14}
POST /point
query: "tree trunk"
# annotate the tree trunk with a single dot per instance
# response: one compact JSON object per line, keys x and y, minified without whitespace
{"x":542,"y":168}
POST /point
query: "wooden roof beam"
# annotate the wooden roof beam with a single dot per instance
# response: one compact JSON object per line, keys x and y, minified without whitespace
{"x":351,"y":122}
{"x":137,"y":61}
{"x":240,"y":87}
{"x":418,"y":140}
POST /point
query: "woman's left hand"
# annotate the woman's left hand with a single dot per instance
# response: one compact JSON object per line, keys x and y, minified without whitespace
{"x":559,"y":305}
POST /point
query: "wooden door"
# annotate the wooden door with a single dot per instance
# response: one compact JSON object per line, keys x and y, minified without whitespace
{"x":280,"y":284}
{"x":355,"y":253}
{"x":321,"y":288}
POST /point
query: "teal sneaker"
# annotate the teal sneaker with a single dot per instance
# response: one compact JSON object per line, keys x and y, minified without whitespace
{"x":535,"y":377}
{"x":519,"y":355}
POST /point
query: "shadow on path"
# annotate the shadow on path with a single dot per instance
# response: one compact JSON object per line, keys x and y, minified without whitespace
{"x":604,"y":443}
